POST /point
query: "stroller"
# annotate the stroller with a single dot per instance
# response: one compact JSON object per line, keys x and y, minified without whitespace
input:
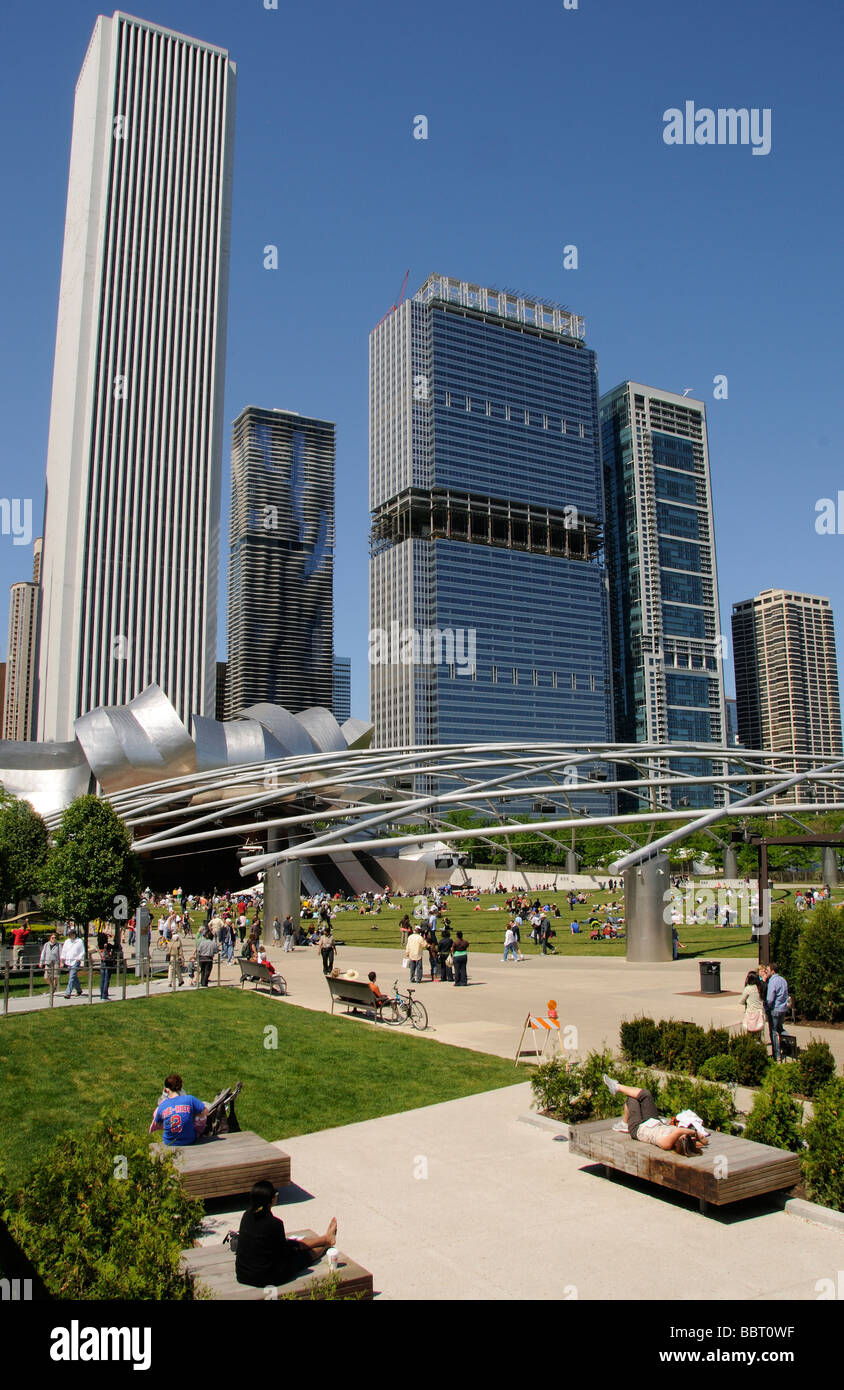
{"x":221,"y":1117}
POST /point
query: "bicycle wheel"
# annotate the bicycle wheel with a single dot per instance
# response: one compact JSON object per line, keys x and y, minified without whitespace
{"x":418,"y":1015}
{"x":390,"y":1012}
{"x":401,"y":1010}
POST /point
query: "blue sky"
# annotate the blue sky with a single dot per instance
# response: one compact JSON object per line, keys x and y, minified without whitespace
{"x":545,"y":129}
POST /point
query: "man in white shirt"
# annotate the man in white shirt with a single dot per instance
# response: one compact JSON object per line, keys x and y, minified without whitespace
{"x":416,"y":950}
{"x":73,"y":954}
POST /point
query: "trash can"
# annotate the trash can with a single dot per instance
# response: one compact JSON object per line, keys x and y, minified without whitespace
{"x":710,"y":977}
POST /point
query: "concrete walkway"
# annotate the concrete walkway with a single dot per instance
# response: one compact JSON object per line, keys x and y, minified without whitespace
{"x":466,"y":1201}
{"x":593,"y":993}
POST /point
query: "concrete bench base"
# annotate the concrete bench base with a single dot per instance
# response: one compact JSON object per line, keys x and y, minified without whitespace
{"x":212,"y":1266}
{"x":228,"y":1164}
{"x":728,"y":1170}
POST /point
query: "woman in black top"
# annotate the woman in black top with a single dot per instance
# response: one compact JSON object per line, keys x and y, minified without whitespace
{"x":445,"y":951}
{"x":264,"y":1254}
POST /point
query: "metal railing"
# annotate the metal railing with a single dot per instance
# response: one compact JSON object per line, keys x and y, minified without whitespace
{"x":118,"y":978}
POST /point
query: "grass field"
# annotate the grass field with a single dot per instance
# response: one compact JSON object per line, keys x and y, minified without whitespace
{"x":61,"y":1069}
{"x":484,"y":930}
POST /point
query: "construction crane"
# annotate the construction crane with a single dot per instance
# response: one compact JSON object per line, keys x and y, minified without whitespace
{"x":394,"y":307}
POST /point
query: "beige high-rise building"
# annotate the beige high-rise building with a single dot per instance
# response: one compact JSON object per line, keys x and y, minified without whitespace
{"x":787,"y":679}
{"x":22,"y":655}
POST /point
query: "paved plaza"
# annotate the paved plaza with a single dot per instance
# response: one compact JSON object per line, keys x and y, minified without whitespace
{"x":470,"y":1200}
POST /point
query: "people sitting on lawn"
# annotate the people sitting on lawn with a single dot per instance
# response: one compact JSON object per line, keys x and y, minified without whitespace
{"x":182,"y":1117}
{"x":264,"y":1254}
{"x":641,"y":1121}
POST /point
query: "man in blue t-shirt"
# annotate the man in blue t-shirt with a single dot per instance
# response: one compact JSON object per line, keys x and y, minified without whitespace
{"x":181,"y":1117}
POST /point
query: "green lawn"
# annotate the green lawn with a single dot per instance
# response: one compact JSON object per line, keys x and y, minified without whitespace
{"x":484,"y":930}
{"x":61,"y":1068}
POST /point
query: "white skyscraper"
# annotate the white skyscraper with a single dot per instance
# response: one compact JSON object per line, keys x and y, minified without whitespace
{"x":131,"y":534}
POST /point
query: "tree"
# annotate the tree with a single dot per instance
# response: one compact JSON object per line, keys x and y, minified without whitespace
{"x":91,"y":870}
{"x":23,"y":850}
{"x":820,"y":965}
{"x":101,"y":1218}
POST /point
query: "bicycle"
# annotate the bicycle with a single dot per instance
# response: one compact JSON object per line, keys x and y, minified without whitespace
{"x":404,"y":1008}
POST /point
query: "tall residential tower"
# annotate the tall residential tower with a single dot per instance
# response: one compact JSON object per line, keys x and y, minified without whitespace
{"x":666,"y":641}
{"x":281,"y":570}
{"x":19,"y":694}
{"x":787,"y":679}
{"x":131,"y":532}
{"x":488,"y":603}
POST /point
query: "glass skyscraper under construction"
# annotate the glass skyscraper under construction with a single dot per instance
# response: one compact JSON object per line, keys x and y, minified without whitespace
{"x":488,"y":602}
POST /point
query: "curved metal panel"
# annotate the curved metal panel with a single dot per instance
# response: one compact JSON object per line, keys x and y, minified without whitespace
{"x":47,"y":775}
{"x":323,"y":729}
{"x":139,"y":742}
{"x":284,"y":726}
{"x":357,"y":733}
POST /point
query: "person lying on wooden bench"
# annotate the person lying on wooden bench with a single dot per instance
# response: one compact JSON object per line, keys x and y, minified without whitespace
{"x":182,"y":1117}
{"x":264,"y":1255}
{"x":642,"y":1122}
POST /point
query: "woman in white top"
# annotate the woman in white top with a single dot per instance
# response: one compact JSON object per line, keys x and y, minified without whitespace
{"x":753,"y":999}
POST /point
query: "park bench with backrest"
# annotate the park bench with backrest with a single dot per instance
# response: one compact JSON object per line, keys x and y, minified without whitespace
{"x":213,"y":1267}
{"x":730,"y":1169}
{"x":254,"y":972}
{"x":355,"y":994}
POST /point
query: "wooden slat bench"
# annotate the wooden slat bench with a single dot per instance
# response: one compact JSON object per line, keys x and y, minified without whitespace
{"x":213,"y":1266}
{"x":355,"y":994}
{"x":228,"y":1164}
{"x":743,"y":1168}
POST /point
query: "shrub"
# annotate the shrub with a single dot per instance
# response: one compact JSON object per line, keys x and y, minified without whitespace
{"x":557,"y":1087}
{"x":785,"y":941}
{"x":675,"y":1038}
{"x":776,"y":1117}
{"x":751,"y":1058}
{"x":819,"y":980}
{"x":640,"y":1040}
{"x":823,"y":1160}
{"x":817,"y":1067}
{"x":573,"y":1090}
{"x":700,"y":1046}
{"x":722,"y":1067}
{"x":602,"y":1104}
{"x":712,"y":1103}
{"x":93,"y":1233}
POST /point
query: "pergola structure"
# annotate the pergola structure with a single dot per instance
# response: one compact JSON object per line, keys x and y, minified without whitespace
{"x":355,"y":811}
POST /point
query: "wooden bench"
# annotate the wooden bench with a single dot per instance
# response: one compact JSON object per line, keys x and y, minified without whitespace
{"x":729,"y":1169}
{"x":227,"y":1164}
{"x":259,"y":974}
{"x":355,"y":994}
{"x":213,"y":1266}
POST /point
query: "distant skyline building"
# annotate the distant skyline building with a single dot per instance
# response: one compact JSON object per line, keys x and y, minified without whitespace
{"x":787,"y":678}
{"x":488,"y":607}
{"x":660,"y":542}
{"x":131,"y":533}
{"x":342,"y":705}
{"x":732,"y":722}
{"x":281,"y":568}
{"x":20,"y":686}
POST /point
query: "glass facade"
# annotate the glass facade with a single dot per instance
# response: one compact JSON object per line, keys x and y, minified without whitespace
{"x":281,"y":569}
{"x":487,"y":503}
{"x":666,"y":647}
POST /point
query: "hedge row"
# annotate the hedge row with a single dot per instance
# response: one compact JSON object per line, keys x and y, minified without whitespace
{"x":714,"y":1055}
